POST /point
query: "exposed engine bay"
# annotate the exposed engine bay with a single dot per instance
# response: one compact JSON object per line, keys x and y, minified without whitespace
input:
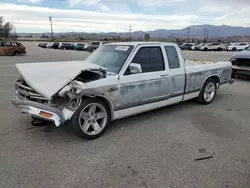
{"x":71,"y":95}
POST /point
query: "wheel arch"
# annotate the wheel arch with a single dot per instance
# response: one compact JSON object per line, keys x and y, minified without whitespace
{"x":216,"y":79}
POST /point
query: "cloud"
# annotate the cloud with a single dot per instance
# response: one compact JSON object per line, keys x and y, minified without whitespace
{"x":87,"y":2}
{"x":232,"y":13}
{"x":88,"y":21}
{"x":105,"y":8}
{"x":114,"y":15}
{"x":222,"y":6}
{"x":30,"y":1}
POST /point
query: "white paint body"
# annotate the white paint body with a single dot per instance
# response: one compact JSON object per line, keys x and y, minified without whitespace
{"x":189,"y":77}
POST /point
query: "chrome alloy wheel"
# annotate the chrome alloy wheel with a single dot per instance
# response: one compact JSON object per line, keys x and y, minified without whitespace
{"x":209,"y":92}
{"x":93,"y":119}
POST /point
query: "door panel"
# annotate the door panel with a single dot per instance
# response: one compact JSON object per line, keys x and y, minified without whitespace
{"x":3,"y":51}
{"x":151,"y":84}
{"x":141,"y":89}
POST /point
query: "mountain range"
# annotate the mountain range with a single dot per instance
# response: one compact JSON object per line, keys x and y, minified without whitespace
{"x":196,"y":31}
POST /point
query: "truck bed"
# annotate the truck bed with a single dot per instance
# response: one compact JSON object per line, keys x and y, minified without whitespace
{"x":198,"y":71}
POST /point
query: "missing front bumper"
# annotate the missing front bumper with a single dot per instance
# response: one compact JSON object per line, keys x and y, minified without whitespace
{"x":40,"y":111}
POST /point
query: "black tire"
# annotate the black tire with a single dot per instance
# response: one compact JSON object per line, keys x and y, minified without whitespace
{"x":201,"y":98}
{"x":219,"y":49}
{"x":75,"y":120}
{"x":16,"y":53}
{"x":93,"y":50}
{"x":205,"y":49}
{"x":234,"y":49}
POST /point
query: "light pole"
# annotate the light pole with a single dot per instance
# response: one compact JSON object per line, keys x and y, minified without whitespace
{"x":130,"y":29}
{"x":50,"y":19}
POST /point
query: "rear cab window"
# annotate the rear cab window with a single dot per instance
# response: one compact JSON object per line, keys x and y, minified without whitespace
{"x":172,"y":56}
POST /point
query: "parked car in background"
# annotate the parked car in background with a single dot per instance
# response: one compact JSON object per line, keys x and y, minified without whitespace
{"x":197,"y":46}
{"x":238,"y":46}
{"x":11,"y":48}
{"x":212,"y":47}
{"x":66,"y":46}
{"x":241,"y":63}
{"x":94,"y":45}
{"x":43,"y":45}
{"x":116,"y":81}
{"x":179,"y":43}
{"x":86,"y":45}
{"x":54,"y":45}
{"x":80,"y":46}
{"x":186,"y":46}
{"x":49,"y":44}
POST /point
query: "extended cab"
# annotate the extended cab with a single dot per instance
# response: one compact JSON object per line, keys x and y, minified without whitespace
{"x":116,"y":81}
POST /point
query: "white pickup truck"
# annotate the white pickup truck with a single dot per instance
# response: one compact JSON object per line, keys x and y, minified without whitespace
{"x":116,"y":81}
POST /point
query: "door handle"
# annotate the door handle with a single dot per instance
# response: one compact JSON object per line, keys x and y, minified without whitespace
{"x":164,"y":75}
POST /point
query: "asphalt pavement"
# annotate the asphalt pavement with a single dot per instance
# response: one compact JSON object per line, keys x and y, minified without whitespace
{"x":182,"y":146}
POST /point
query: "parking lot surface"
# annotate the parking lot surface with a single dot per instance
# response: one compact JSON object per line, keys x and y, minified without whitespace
{"x":154,"y":149}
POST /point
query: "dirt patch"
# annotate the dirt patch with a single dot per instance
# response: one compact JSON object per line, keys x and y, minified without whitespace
{"x":216,"y":124}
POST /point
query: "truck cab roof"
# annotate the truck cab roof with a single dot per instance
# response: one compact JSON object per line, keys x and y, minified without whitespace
{"x":140,"y":43}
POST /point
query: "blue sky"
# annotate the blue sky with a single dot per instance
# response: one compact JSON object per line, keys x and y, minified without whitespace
{"x":118,"y":15}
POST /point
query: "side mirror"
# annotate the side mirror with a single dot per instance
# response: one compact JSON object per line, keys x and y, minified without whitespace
{"x":135,"y":68}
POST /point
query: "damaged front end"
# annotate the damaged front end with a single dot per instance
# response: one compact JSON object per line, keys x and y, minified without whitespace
{"x":62,"y":105}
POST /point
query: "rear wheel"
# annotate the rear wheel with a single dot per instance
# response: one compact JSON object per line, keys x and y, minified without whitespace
{"x":91,"y":119}
{"x":205,"y":49}
{"x":208,"y":92}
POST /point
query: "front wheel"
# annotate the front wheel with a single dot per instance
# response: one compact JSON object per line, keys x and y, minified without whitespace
{"x":91,"y":119}
{"x":208,"y":92}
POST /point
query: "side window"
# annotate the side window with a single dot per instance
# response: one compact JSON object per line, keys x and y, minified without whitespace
{"x":150,"y":59}
{"x":173,"y":59}
{"x":242,"y":44}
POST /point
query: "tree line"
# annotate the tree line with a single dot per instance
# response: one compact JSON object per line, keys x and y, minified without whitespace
{"x":7,"y":30}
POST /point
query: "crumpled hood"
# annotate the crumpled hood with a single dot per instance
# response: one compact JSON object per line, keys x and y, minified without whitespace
{"x":49,"y":78}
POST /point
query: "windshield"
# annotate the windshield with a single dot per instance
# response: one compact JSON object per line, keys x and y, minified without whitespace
{"x":110,"y":57}
{"x":248,"y":48}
